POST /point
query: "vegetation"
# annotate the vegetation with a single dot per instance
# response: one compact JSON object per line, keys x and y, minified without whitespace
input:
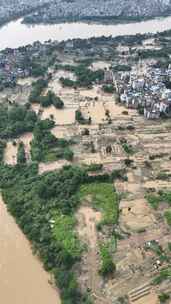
{"x":163,"y":297}
{"x":37,"y":88}
{"x":50,"y":99}
{"x":85,"y":76}
{"x":168,"y":216}
{"x":46,"y":147}
{"x":16,"y":120}
{"x":45,"y":100}
{"x":38,"y":70}
{"x":104,"y":198}
{"x":108,"y":88}
{"x":2,"y":147}
{"x":122,"y":68}
{"x":163,"y":175}
{"x":169,"y":246}
{"x":44,"y":208}
{"x":21,"y":157}
{"x":94,"y":167}
{"x":156,"y":198}
{"x":165,"y":274}
{"x":107,"y":265}
{"x":128,"y":148}
{"x":153,"y":200}
{"x":63,"y":231}
{"x":162,"y":53}
{"x":79,"y":117}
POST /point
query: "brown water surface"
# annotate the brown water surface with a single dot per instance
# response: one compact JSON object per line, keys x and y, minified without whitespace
{"x":22,"y":277}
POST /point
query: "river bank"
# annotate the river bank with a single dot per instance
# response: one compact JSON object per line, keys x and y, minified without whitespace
{"x":23,"y":279}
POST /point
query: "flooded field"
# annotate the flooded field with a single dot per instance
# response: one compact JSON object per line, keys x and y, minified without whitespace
{"x":97,"y":110}
{"x":52,"y":166}
{"x":61,"y":117}
{"x":55,"y":84}
{"x":10,"y":155}
{"x":26,"y":81}
{"x":17,"y":261}
{"x":100,"y":65}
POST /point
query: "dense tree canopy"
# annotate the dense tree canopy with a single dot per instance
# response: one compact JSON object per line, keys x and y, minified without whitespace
{"x":15,"y":120}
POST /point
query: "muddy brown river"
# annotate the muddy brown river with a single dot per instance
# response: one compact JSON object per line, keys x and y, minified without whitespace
{"x":22,"y":277}
{"x":15,"y":33}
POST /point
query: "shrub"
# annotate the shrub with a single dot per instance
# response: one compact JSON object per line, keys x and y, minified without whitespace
{"x":21,"y":157}
{"x":107,"y":265}
{"x":163,"y":297}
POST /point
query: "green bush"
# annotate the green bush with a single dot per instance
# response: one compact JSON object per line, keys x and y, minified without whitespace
{"x":16,"y":120}
{"x":168,"y":216}
{"x":153,"y":200}
{"x":79,"y":117}
{"x":163,"y":297}
{"x":50,"y":99}
{"x":108,"y":89}
{"x":46,"y":147}
{"x":164,"y":274}
{"x":37,"y":88}
{"x":128,"y":148}
{"x":85,"y":76}
{"x":21,"y":157}
{"x":2,"y":148}
{"x":107,"y":265}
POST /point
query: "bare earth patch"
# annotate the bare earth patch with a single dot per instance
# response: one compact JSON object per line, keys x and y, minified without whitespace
{"x":87,"y":219}
{"x":136,"y":215}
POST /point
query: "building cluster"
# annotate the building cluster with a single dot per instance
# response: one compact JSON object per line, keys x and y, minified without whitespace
{"x":10,"y":10}
{"x":81,"y":9}
{"x":146,"y":89}
{"x":20,"y":63}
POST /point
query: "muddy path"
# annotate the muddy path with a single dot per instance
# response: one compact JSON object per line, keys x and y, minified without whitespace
{"x":87,"y":219}
{"x":22,"y":277}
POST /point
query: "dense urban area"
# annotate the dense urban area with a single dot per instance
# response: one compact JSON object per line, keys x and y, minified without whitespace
{"x":53,"y":11}
{"x":108,"y":11}
{"x":85,"y":163}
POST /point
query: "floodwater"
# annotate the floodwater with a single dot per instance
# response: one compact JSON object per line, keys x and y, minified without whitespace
{"x":22,"y":277}
{"x":15,"y":34}
{"x":10,"y":155}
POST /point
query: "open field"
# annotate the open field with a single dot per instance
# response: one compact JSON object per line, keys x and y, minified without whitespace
{"x":115,"y":212}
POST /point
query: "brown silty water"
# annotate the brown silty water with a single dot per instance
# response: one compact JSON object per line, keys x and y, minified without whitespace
{"x":22,"y":277}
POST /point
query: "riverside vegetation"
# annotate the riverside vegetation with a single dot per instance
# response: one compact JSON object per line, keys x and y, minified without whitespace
{"x":44,"y":208}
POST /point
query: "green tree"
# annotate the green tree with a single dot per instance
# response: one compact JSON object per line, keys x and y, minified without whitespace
{"x":21,"y":157}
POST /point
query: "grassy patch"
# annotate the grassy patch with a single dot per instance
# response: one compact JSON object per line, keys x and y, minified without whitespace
{"x":128,"y":149}
{"x":168,"y":216}
{"x":65,"y":235}
{"x":163,"y":297}
{"x":164,"y":274}
{"x":104,"y":198}
{"x":153,"y":200}
{"x":107,"y":265}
